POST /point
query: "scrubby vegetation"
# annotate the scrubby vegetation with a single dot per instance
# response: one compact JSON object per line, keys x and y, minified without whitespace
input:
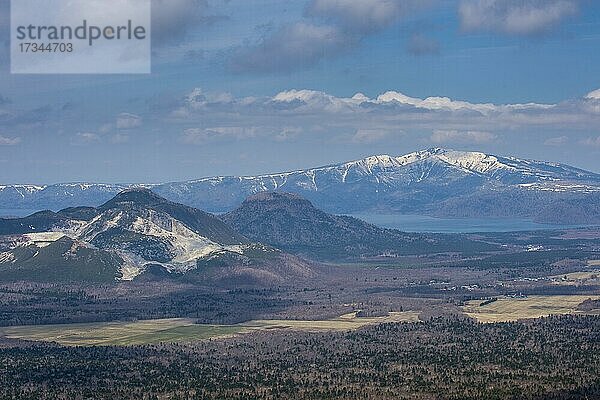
{"x":444,"y":358}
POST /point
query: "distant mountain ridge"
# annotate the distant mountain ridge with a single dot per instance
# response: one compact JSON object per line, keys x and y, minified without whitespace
{"x":436,"y":181}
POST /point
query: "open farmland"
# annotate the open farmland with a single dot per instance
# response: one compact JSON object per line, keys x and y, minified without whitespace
{"x":508,"y":309}
{"x":182,"y":330}
{"x":578,"y":278}
{"x":119,"y":333}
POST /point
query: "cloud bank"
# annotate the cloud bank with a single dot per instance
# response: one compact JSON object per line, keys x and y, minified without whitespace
{"x":515,"y":17}
{"x":291,"y":47}
{"x":9,"y":141}
{"x":362,"y":119}
{"x":363,"y":16}
{"x":330,"y":27}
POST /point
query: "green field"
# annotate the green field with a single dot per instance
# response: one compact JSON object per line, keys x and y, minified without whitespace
{"x":507,"y":309}
{"x":119,"y":333}
{"x":180,"y":329}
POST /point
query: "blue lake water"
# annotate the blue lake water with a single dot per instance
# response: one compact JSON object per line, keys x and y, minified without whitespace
{"x":416,"y":223}
{"x":422,"y":223}
{"x":7,"y":212}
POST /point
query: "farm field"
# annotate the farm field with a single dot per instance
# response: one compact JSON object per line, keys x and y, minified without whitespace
{"x":181,"y":329}
{"x":118,"y":333}
{"x":507,"y":309}
{"x":591,"y":277}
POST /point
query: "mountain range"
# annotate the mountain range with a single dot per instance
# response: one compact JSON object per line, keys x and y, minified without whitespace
{"x":436,"y":181}
{"x":140,"y":235}
{"x":137,"y":234}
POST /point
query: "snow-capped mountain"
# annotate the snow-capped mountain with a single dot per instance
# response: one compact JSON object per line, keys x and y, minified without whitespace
{"x":435,"y":181}
{"x":146,"y":229}
{"x":135,"y":233}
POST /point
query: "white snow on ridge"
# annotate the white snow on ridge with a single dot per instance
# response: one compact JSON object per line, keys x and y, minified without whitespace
{"x":6,"y":257}
{"x":129,"y":271}
{"x":468,"y":161}
{"x":88,"y":231}
{"x":42,"y":239}
{"x":383,"y":168}
{"x":560,"y":187}
{"x":474,"y":161}
{"x":465,"y":161}
{"x":29,"y":188}
{"x":187,"y":245}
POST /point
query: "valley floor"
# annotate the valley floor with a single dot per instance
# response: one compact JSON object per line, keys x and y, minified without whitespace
{"x":519,"y":324}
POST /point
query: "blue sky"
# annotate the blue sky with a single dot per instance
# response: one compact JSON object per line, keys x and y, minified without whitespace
{"x":248,"y":87}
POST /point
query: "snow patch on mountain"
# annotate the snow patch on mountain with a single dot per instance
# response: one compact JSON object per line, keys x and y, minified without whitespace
{"x":41,"y":239}
{"x":185,"y":246}
{"x":98,"y":225}
{"x":188,"y":245}
{"x":560,"y":187}
{"x":129,"y":270}
{"x":6,"y":257}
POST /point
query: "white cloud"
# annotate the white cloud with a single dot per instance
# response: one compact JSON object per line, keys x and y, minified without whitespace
{"x":8,"y":141}
{"x":556,"y":141}
{"x":311,"y":100}
{"x":119,"y":138}
{"x":331,"y":27}
{"x":172,"y":19}
{"x":321,"y":113}
{"x":287,"y":133}
{"x":391,"y":103}
{"x":203,"y":135}
{"x":594,"y":95}
{"x":370,"y":135}
{"x":434,"y":103}
{"x":592,"y":141}
{"x":194,"y":136}
{"x":291,"y":47}
{"x":198,"y":98}
{"x":518,"y":17}
{"x":85,"y":138}
{"x":128,"y":121}
{"x":466,"y":137}
{"x":105,"y":128}
{"x":363,"y":15}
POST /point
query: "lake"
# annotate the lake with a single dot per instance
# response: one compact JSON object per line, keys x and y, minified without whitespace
{"x":422,"y":223}
{"x":8,"y":212}
{"x":416,"y":223}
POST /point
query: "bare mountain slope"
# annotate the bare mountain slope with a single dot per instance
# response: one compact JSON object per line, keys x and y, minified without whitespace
{"x":135,"y":234}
